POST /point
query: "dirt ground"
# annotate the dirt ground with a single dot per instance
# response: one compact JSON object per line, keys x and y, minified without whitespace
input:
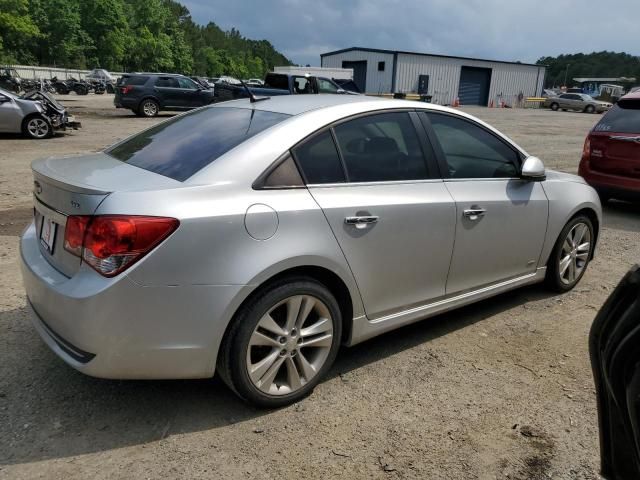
{"x":498,"y":390}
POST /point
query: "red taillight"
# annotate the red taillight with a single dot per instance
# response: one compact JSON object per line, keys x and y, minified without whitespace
{"x":74,"y":234}
{"x":112,"y":243}
{"x":126,"y":89}
{"x":586,"y":150}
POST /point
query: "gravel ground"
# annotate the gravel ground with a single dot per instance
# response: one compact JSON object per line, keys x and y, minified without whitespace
{"x":498,"y":390}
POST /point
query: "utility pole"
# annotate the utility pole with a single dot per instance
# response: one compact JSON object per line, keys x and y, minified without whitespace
{"x":566,"y":73}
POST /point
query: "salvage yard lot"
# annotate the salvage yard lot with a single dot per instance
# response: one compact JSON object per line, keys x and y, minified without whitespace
{"x":501,"y":389}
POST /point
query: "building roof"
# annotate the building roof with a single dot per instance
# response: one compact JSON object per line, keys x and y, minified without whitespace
{"x":604,"y":79}
{"x":392,"y":52}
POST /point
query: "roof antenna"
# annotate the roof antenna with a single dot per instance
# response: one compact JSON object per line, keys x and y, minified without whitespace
{"x":252,"y":97}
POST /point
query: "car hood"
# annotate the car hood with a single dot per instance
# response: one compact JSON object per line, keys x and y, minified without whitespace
{"x":555,"y":176}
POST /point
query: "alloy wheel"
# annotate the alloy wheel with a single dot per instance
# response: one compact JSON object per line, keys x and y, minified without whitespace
{"x":574,"y":254}
{"x":150,"y":109}
{"x":289,"y":345}
{"x":38,"y":128}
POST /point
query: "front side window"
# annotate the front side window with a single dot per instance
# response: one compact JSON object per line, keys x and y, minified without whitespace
{"x":182,"y":146}
{"x":472,"y":152}
{"x":319,"y":160}
{"x":187,"y":83}
{"x":325,"y":86}
{"x":381,"y":147}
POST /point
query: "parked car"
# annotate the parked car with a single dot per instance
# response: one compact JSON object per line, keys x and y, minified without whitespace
{"x":10,"y":79}
{"x":146,"y":94}
{"x":576,"y":101}
{"x":100,"y":74}
{"x":611,"y":155}
{"x":614,"y":345}
{"x":35,"y":114}
{"x":254,"y":81}
{"x":257,"y":237}
{"x":279,"y":84}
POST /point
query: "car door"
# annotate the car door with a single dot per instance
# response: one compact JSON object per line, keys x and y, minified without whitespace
{"x":392,"y":217}
{"x":168,"y":91}
{"x":565,"y":101}
{"x":501,"y":219}
{"x":190,"y":92}
{"x":10,"y":115}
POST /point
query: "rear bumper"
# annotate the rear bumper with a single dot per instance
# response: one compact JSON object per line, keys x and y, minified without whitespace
{"x":124,"y":102}
{"x":611,"y":185}
{"x":116,"y":328}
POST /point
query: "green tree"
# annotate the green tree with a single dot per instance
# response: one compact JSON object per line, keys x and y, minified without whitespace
{"x":106,"y":23}
{"x":17,"y":31}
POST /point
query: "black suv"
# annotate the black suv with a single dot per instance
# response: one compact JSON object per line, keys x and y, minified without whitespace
{"x":147,"y":93}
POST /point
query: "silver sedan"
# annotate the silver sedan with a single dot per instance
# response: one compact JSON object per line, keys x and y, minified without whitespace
{"x":253,"y":238}
{"x":577,"y":101}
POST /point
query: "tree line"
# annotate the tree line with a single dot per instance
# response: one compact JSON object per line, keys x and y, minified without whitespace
{"x":596,"y":64}
{"x":127,"y":35}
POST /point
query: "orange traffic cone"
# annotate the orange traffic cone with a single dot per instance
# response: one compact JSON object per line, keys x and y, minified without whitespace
{"x":491,"y":104}
{"x":456,"y":102}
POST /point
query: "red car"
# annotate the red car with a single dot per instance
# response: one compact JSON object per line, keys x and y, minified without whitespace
{"x":611,"y":156}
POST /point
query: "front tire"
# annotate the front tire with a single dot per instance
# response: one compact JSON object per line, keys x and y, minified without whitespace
{"x":37,"y":127}
{"x":281,"y":343}
{"x":571,"y":254}
{"x":148,"y":108}
{"x":589,"y":109}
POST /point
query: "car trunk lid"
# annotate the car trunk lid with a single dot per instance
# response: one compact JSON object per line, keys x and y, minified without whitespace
{"x":616,"y":153}
{"x":77,"y":186}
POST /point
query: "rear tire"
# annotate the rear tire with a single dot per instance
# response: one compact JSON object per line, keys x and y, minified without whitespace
{"x":555,"y":106}
{"x":148,"y":108}
{"x":571,"y":254}
{"x":281,"y":343}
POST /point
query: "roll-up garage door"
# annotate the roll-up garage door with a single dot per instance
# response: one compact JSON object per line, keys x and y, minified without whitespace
{"x":474,"y":86}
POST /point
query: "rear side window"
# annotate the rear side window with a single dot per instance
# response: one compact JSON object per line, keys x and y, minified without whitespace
{"x":472,"y":152}
{"x":381,"y":147}
{"x":280,"y":82}
{"x":182,"y":146}
{"x":319,"y":160}
{"x":170,"y":82}
{"x":137,"y":80}
{"x":624,"y":117}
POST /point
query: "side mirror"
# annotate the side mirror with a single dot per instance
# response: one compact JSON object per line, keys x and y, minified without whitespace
{"x":533,"y":169}
{"x":341,"y":91}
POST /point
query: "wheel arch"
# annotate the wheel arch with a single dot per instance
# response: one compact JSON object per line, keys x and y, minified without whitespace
{"x":150,"y":97}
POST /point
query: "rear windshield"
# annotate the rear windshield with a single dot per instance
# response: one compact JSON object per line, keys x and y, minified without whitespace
{"x":280,"y":82}
{"x":182,"y":146}
{"x":624,"y":117}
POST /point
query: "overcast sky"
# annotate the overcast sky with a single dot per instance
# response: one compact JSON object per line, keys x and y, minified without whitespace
{"x":522,"y":30}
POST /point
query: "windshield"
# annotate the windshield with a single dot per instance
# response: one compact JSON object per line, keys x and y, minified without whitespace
{"x":7,"y":94}
{"x":184,"y":145}
{"x":624,"y":117}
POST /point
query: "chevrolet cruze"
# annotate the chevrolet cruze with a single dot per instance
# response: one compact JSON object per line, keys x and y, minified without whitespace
{"x":254,"y":237}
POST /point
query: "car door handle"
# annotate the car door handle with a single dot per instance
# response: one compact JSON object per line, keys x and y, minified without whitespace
{"x":474,"y":213}
{"x":361,"y":221}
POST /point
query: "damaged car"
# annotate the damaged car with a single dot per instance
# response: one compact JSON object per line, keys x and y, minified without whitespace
{"x":35,"y":114}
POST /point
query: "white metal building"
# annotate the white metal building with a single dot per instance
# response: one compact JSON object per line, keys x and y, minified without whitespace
{"x":342,"y":73}
{"x":445,"y":78}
